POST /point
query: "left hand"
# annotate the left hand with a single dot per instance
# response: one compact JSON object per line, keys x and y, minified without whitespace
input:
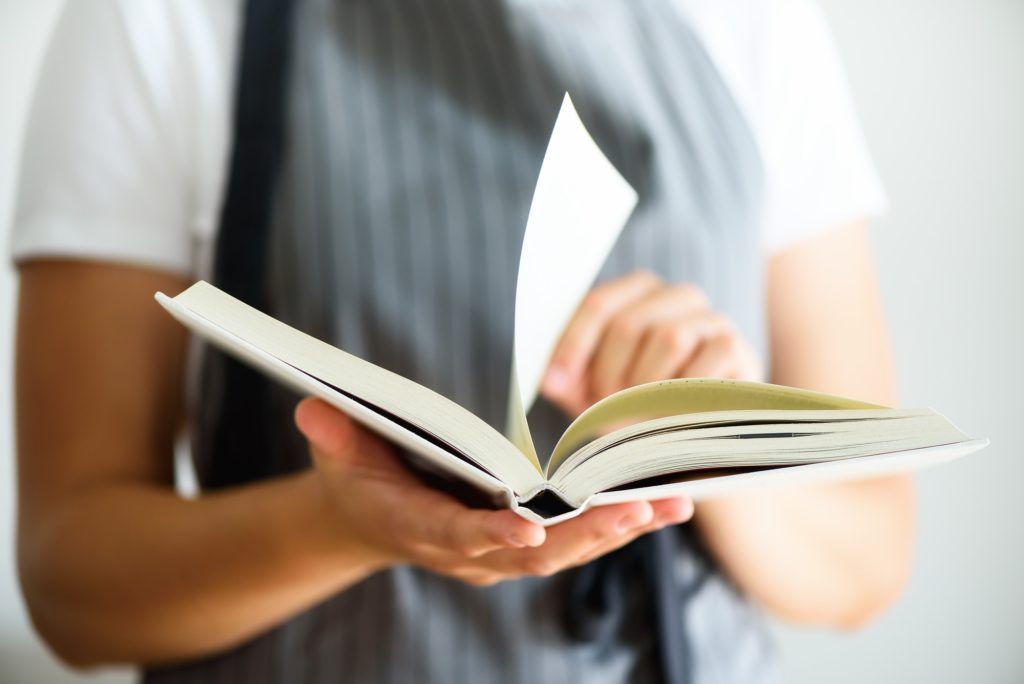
{"x":638,"y":329}
{"x":376,"y":514}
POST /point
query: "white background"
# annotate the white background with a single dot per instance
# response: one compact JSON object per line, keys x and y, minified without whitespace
{"x":940,"y":88}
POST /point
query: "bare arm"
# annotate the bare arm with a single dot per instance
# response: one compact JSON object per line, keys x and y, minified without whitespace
{"x":104,"y":542}
{"x":115,"y":567}
{"x":829,"y":555}
{"x":838,"y":554}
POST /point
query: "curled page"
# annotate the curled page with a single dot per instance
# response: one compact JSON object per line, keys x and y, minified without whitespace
{"x":580,"y":205}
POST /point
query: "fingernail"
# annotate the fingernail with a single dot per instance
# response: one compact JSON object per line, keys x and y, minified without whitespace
{"x":534,"y":537}
{"x":681,"y":514}
{"x":515,"y":541}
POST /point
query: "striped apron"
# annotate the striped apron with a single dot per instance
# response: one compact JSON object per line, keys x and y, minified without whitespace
{"x":384,"y":160}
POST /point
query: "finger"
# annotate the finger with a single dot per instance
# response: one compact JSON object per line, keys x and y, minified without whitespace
{"x":569,"y":541}
{"x":716,"y":358}
{"x":335,"y":439}
{"x":565,"y":377}
{"x":666,"y":512}
{"x":442,"y":524}
{"x":424,"y":517}
{"x":670,"y":345}
{"x":672,"y":511}
{"x":748,"y":365}
{"x":625,"y":332}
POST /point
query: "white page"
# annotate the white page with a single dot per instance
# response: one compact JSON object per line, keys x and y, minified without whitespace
{"x":580,"y":205}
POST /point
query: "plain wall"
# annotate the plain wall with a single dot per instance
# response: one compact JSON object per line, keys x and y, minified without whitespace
{"x":940,"y":88}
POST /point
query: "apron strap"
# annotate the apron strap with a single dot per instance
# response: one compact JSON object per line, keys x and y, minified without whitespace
{"x":596,"y":597}
{"x":240,"y":430}
{"x":240,"y":265}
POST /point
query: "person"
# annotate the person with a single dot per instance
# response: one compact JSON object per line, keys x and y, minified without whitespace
{"x":368,"y":182}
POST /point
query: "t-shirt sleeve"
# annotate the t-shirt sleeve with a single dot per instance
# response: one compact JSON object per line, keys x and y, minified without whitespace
{"x":818,"y":171}
{"x":106,"y":159}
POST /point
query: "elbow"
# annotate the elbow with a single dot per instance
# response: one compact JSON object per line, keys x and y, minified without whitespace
{"x":67,"y":651}
{"x":848,"y":601}
{"x":874,"y":597}
{"x":848,"y":611}
{"x":877,"y":584}
{"x":44,"y":609}
{"x":877,"y":575}
{"x":52,"y":615}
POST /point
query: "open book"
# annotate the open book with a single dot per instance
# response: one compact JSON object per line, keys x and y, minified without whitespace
{"x":700,"y":437}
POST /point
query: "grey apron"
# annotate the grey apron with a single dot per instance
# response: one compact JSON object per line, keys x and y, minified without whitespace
{"x":403,"y":156}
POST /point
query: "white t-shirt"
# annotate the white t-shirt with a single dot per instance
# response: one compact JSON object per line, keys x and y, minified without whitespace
{"x":126,"y":151}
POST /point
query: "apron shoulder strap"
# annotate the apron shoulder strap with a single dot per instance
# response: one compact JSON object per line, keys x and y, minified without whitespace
{"x":239,"y":266}
{"x":236,"y":398}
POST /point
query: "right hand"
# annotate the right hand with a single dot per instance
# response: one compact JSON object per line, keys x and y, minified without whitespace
{"x":380,"y":509}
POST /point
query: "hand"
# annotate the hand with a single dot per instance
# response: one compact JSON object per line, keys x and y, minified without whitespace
{"x":638,"y":329}
{"x":382,"y":512}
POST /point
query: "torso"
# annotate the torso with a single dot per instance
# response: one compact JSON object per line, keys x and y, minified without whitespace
{"x":413,"y":141}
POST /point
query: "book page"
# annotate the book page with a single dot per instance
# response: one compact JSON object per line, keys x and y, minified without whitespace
{"x":675,"y":453}
{"x":580,"y":206}
{"x":801,"y":475}
{"x":404,"y":411}
{"x":688,"y":395}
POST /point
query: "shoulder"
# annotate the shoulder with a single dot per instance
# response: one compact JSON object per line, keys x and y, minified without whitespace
{"x":128,"y":131}
{"x":147,"y":48}
{"x":757,"y":43}
{"x":782,"y":65}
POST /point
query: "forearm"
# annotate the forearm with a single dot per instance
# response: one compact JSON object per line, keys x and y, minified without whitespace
{"x":834,"y":554}
{"x":133,"y":573}
{"x":831,"y":555}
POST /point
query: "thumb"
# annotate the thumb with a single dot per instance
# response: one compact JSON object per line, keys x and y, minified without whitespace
{"x":334,"y":438}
